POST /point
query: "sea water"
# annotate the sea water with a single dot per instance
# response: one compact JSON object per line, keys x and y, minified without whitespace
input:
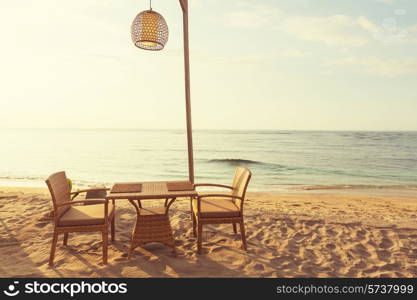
{"x":277,"y":158}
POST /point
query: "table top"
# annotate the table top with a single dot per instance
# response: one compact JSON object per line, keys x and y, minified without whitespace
{"x":152,"y":190}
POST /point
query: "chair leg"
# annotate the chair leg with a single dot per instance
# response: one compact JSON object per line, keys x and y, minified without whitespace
{"x":194,"y":225}
{"x":174,"y":251}
{"x":130,"y":254}
{"x":54,"y":241}
{"x":105,"y":234}
{"x":234,"y":228}
{"x":113,"y":228}
{"x":66,"y":238}
{"x":242,"y":232}
{"x":191,"y":208}
{"x":199,"y":237}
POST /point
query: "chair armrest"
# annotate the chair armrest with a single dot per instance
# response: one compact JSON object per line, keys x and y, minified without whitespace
{"x":91,"y":201}
{"x":219,"y":195}
{"x":76,"y":193}
{"x":213,"y":184}
{"x":89,"y":190}
{"x":80,"y":201}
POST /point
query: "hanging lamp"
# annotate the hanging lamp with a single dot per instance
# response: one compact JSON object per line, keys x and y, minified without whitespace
{"x":149,"y":30}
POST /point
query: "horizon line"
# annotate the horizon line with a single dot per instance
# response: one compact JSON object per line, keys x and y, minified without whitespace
{"x":207,"y":129}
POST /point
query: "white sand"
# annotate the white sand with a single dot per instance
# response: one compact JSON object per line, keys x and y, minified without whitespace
{"x":289,"y":235}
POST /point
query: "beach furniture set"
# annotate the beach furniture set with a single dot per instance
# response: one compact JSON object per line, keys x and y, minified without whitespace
{"x":152,"y":223}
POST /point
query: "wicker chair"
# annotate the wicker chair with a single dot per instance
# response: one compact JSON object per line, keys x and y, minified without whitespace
{"x":78,"y":218}
{"x":217,"y":208}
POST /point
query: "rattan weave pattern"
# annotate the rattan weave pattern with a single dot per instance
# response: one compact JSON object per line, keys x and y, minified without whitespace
{"x":149,"y":30}
{"x":127,"y":188}
{"x":152,"y":228}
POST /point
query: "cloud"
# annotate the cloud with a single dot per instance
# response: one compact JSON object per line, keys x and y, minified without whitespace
{"x":210,"y":58}
{"x":291,"y":53}
{"x":345,"y":31}
{"x":367,"y":25}
{"x":252,"y":17}
{"x":384,"y":1}
{"x":336,"y":30}
{"x":378,"y":66}
{"x":203,"y":3}
{"x":413,"y":28}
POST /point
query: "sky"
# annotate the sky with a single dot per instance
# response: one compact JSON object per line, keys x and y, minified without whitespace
{"x":280,"y":65}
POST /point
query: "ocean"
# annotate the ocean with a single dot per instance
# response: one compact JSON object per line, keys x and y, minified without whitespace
{"x":278,"y":159}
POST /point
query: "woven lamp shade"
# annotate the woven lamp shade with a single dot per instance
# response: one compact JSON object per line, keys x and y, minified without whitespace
{"x":149,"y":31}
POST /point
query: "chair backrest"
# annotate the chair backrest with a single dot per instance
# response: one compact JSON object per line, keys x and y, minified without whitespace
{"x":60,"y":192}
{"x":240,"y":184}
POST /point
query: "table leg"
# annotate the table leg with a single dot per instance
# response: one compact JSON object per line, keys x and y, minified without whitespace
{"x":152,"y":228}
{"x":132,"y":244}
{"x":169,"y":224}
{"x":168,"y":204}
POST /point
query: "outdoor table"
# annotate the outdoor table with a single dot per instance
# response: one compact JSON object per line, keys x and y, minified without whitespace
{"x":152,"y":225}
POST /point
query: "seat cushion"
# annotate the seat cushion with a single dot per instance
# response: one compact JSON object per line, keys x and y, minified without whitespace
{"x":85,"y":215}
{"x":216,"y":208}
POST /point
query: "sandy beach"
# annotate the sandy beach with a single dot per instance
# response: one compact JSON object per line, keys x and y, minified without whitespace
{"x":301,"y":234}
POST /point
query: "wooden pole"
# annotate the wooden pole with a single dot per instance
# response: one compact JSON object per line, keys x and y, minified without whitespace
{"x":184,"y":6}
